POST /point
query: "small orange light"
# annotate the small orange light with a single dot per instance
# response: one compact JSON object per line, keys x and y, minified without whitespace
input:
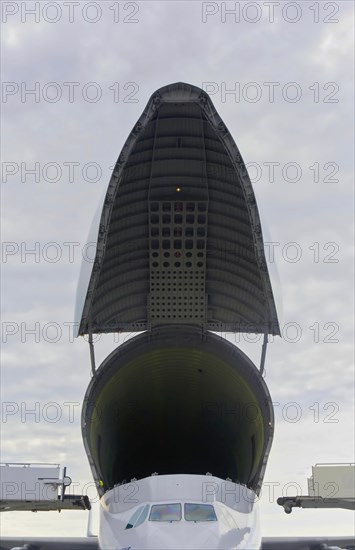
{"x":178,"y":189}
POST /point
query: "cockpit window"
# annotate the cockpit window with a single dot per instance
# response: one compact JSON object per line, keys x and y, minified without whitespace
{"x":199,"y":512}
{"x":138,"y":517}
{"x":165,"y":512}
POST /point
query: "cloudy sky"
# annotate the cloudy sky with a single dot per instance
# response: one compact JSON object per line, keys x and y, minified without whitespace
{"x":76,"y":78}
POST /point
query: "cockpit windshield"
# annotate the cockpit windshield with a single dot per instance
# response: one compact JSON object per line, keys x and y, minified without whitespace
{"x":139,"y":516}
{"x":165,"y":512}
{"x":170,"y":512}
{"x":199,"y":512}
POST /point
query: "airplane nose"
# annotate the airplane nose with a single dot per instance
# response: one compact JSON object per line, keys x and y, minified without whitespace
{"x":191,"y":543}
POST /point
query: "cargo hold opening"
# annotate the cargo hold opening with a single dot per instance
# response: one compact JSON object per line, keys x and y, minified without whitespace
{"x":175,"y":402}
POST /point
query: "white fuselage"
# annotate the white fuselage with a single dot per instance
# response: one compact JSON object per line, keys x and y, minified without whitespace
{"x":180,"y":511}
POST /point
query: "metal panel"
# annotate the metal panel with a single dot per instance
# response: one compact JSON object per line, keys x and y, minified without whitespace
{"x":332,"y":481}
{"x":29,"y":482}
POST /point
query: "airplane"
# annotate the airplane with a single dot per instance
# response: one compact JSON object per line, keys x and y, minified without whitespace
{"x":179,"y":258}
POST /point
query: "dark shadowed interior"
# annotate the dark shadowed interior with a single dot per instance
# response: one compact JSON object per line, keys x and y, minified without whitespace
{"x":177,"y":402}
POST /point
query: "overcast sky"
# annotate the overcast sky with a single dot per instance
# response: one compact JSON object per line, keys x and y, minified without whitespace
{"x":93,"y":67}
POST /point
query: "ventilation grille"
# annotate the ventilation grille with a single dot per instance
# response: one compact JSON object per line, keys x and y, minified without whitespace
{"x":178,"y":232}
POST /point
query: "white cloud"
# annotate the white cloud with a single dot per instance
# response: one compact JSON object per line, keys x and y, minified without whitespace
{"x":332,"y":52}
